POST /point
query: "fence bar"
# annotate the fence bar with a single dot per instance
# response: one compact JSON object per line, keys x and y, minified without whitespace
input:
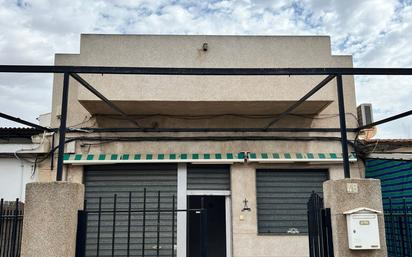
{"x":20,"y":232}
{"x":158,"y":225}
{"x":99,"y":217}
{"x":203,"y":229}
{"x":14,"y":231}
{"x":393,"y":237}
{"x":114,"y":223}
{"x":407,"y":232}
{"x":144,"y":221}
{"x":81,"y":233}
{"x":1,"y":223}
{"x":7,"y":232}
{"x":173,"y":226}
{"x":128,"y":224}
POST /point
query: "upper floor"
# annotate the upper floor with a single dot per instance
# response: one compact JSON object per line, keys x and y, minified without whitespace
{"x":209,"y":96}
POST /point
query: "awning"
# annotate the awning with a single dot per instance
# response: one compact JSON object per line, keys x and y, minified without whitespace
{"x":104,"y":158}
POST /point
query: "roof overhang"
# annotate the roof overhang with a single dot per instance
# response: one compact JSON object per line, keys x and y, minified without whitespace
{"x":205,"y":107}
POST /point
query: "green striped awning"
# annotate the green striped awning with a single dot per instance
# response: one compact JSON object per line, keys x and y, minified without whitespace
{"x":297,"y":157}
{"x":96,"y":158}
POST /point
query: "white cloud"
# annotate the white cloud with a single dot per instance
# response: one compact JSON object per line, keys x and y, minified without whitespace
{"x":377,"y":32}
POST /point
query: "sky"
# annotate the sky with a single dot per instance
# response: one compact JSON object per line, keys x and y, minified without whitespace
{"x":378,"y":33}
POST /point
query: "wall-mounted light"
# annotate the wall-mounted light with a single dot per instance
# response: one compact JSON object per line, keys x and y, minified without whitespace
{"x":205,"y":47}
{"x":245,"y":206}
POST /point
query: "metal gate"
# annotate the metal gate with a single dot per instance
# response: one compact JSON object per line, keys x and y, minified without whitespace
{"x":144,"y":225}
{"x":320,"y":228}
{"x":398,"y":228}
{"x":11,"y":225}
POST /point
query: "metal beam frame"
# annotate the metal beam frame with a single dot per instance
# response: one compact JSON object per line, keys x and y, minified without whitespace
{"x":207,"y":130}
{"x":330,"y":72}
{"x":323,"y":83}
{"x":395,"y":117}
{"x":24,"y":122}
{"x":94,"y":91}
{"x":342,"y":122}
{"x":62,"y":129}
{"x":204,"y":71}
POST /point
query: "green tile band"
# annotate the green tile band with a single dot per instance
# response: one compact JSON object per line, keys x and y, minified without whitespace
{"x":206,"y":156}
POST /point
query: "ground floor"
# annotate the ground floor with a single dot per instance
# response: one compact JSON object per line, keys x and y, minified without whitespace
{"x":253,"y":209}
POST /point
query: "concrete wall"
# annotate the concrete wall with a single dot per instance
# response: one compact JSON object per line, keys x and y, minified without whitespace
{"x":339,"y":200}
{"x":14,"y":175}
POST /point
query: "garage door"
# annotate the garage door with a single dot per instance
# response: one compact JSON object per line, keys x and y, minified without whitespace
{"x":282,"y":197}
{"x":107,"y":180}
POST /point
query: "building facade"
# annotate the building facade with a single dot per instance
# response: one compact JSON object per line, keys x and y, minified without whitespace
{"x":20,"y":148}
{"x":255,"y":184}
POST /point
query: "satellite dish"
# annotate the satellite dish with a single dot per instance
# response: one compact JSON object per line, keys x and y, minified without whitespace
{"x":368,"y":133}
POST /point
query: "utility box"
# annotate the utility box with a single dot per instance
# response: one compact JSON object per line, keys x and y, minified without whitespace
{"x":363,"y":229}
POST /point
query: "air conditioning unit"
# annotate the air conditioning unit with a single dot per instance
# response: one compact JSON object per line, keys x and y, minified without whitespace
{"x":365,"y":116}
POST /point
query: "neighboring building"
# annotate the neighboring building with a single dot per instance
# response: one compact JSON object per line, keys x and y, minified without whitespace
{"x":18,"y":161}
{"x":390,"y":160}
{"x":274,"y":175}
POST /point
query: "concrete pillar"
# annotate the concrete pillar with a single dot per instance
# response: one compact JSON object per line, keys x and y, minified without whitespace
{"x":50,"y":219}
{"x":340,"y":198}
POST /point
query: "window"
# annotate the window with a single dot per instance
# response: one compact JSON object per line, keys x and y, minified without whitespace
{"x":282,"y":197}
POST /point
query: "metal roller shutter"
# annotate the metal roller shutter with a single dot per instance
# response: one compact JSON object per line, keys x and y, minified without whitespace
{"x":105,"y":181}
{"x":208,"y":177}
{"x":282,"y":197}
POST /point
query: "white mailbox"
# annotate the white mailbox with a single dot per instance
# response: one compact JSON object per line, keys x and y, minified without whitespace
{"x":363,"y":229}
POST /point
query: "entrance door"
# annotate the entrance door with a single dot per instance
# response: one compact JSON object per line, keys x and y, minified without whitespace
{"x":211,"y":235}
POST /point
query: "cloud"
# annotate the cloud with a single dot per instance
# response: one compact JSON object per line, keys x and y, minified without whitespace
{"x":377,"y":33}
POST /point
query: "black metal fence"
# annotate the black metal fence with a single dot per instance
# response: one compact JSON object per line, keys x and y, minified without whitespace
{"x":132,"y":226}
{"x":398,"y":219}
{"x":11,"y":226}
{"x":319,"y":227}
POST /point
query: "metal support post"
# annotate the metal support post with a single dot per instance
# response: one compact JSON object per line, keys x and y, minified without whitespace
{"x":62,"y":129}
{"x":342,"y":120}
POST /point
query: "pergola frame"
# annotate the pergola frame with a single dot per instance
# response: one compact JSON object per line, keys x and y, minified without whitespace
{"x":331,"y":73}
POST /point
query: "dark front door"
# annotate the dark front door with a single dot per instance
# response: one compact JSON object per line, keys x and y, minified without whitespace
{"x":206,"y":230}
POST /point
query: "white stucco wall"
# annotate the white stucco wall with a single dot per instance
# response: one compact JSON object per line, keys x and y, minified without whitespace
{"x":14,"y":175}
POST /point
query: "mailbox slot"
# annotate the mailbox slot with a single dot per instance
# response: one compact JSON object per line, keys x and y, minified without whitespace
{"x":363,"y":229}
